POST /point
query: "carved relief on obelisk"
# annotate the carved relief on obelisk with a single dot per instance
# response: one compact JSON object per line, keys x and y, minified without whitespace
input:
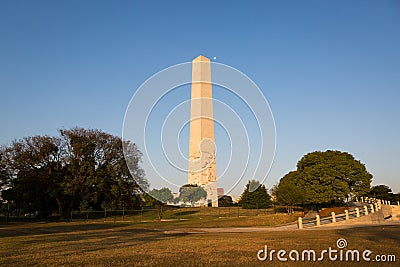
{"x":202,"y":157}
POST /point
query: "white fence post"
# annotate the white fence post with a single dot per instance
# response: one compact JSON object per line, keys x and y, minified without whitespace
{"x":346,"y":212}
{"x":300,"y":223}
{"x":318,"y":220}
{"x":333,"y":217}
{"x":365,"y":210}
{"x":372,"y":208}
{"x":357,"y":213}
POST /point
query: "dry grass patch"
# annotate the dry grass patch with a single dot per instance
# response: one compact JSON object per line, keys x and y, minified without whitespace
{"x":108,"y":244}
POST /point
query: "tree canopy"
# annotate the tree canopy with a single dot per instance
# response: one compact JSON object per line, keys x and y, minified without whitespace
{"x":158,"y":198}
{"x":384,"y":192}
{"x":78,"y":169}
{"x":287,"y":193}
{"x":163,"y":195}
{"x":192,"y":193}
{"x":326,"y":177}
{"x":259,"y":198}
{"x":225,"y":201}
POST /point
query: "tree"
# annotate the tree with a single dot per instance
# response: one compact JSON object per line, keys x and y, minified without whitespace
{"x":383,"y":192}
{"x":97,"y":176}
{"x":259,"y":198}
{"x":192,"y":193}
{"x":225,"y":201}
{"x":31,"y":163}
{"x":159,"y":198}
{"x":287,"y":193}
{"x":380,"y":192}
{"x":5,"y":176}
{"x":330,"y":177}
{"x":79,"y":169}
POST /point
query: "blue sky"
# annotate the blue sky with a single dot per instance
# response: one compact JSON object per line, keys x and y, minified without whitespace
{"x":329,"y":69}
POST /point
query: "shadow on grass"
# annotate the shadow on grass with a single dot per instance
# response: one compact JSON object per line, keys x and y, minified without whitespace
{"x":373,"y":233}
{"x":13,"y":230}
{"x":66,"y":239}
{"x":184,"y":213}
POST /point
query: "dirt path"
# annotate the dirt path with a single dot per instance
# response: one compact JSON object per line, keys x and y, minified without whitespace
{"x":291,"y":227}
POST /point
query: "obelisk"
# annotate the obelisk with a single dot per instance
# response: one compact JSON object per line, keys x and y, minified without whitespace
{"x":202,"y":163}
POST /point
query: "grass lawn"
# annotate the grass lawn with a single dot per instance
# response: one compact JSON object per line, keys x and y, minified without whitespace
{"x":146,"y":244}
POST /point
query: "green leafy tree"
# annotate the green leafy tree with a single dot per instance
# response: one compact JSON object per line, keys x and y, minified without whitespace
{"x":225,"y":201}
{"x":79,"y":169}
{"x":5,"y":175}
{"x":287,"y":193}
{"x":380,"y":192}
{"x":158,"y":198}
{"x":259,"y":198}
{"x":383,"y":192}
{"x":330,"y":177}
{"x":97,"y":176}
{"x":192,"y":193}
{"x":31,"y":163}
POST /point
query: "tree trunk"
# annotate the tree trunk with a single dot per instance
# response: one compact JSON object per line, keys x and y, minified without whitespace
{"x":60,"y":207}
{"x":160,"y":212}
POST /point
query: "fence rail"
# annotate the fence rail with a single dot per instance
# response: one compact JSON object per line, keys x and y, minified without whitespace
{"x":371,"y":205}
{"x":168,"y":213}
{"x":147,"y":213}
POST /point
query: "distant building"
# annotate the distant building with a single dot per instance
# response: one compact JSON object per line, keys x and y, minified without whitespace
{"x":220,"y":192}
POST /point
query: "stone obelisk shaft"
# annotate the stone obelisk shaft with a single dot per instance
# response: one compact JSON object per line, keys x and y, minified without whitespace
{"x":202,"y":164}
